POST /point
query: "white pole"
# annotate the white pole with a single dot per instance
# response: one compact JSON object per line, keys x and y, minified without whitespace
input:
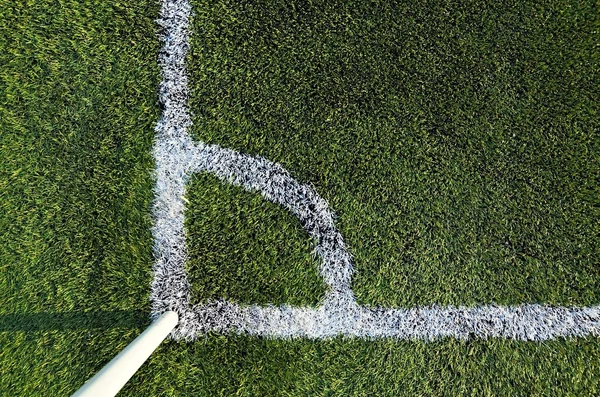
{"x":120,"y":369}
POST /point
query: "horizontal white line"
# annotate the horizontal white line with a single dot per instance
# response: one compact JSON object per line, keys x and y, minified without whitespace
{"x":523,"y":322}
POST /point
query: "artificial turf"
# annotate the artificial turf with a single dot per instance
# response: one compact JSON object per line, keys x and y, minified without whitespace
{"x":456,"y":141}
{"x":78,"y":104}
{"x":247,"y":250}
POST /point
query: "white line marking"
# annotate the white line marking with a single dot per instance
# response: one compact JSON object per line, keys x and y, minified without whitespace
{"x":178,"y":157}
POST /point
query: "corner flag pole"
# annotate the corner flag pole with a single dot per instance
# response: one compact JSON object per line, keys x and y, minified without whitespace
{"x":120,"y":369}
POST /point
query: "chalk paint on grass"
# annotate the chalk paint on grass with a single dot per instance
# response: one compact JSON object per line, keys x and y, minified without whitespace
{"x":178,"y":157}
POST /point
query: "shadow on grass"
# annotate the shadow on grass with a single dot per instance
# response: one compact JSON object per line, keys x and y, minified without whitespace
{"x":74,"y":320}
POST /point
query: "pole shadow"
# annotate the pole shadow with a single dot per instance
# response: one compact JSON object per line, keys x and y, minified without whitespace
{"x":46,"y":321}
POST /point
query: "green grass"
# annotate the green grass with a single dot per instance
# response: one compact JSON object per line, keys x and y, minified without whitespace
{"x":246,"y":249}
{"x":457,"y":142}
{"x":77,"y":108}
{"x":454,"y":141}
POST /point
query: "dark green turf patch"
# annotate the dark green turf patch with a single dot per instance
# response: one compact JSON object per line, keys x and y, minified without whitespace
{"x":457,"y":141}
{"x":226,"y":224}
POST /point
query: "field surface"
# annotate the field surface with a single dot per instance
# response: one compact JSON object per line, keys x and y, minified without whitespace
{"x":457,"y":142}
